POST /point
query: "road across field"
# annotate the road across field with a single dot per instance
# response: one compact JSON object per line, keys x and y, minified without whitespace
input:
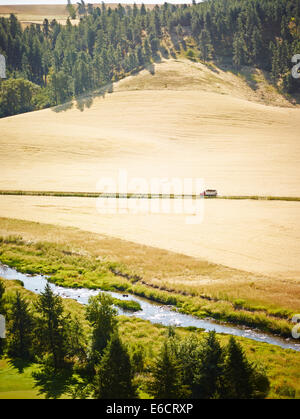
{"x":144,"y":195}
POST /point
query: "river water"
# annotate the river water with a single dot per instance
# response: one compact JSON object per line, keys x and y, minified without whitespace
{"x":153,"y":312}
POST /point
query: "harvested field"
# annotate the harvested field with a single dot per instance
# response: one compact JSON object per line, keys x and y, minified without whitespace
{"x":167,"y":121}
{"x":236,"y":146}
{"x":255,"y":236}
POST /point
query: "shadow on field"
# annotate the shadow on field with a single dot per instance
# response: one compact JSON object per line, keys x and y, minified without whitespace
{"x":84,"y":101}
{"x":175,"y":41}
{"x":210,"y":67}
{"x":63,"y":107}
{"x":52,"y":384}
{"x":164,"y":52}
{"x":19,"y":364}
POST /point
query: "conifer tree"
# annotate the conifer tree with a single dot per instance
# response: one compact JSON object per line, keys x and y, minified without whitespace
{"x":205,"y":45}
{"x":275,"y":72}
{"x":166,"y":375}
{"x":60,"y":87}
{"x":242,"y":380}
{"x":46,"y":28}
{"x":143,"y":10}
{"x":238,"y":58}
{"x":208,"y":378}
{"x":20,"y":328}
{"x":51,"y":332}
{"x":115,"y":375}
{"x":157,"y":23}
{"x":188,"y":355}
{"x":147,"y":49}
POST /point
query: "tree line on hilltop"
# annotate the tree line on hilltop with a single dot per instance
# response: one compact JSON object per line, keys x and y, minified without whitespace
{"x":50,"y":63}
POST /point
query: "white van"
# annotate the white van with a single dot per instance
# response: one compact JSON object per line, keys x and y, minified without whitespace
{"x":210,"y":193}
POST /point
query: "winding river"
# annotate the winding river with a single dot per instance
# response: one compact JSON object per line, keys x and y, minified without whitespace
{"x":153,"y":312}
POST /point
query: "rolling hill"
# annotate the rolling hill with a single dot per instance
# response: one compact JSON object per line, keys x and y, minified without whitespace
{"x":172,"y":123}
{"x":167,"y":121}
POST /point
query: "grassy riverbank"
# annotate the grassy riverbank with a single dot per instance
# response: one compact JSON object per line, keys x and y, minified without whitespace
{"x":77,"y":258}
{"x":69,"y":267}
{"x":282,"y":365}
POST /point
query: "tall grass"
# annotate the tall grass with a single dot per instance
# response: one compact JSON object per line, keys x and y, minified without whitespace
{"x":282,"y":365}
{"x":70,"y":268}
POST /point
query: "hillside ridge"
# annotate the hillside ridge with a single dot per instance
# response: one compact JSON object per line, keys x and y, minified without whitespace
{"x":183,"y":74}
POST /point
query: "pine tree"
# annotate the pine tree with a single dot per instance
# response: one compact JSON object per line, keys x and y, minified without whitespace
{"x":257,"y":45}
{"x":157,"y":23}
{"x":148,"y":51}
{"x":166,"y":375}
{"x":135,"y":10}
{"x":243,"y":380}
{"x":76,"y":340}
{"x":140,"y":56}
{"x":154,"y":44}
{"x":208,"y":379}
{"x":205,"y":45}
{"x":71,"y":10}
{"x":14,"y":26}
{"x":137,"y":356}
{"x":51,"y":330}
{"x":46,"y":28}
{"x":238,"y":373}
{"x":60,"y":87}
{"x":238,"y":51}
{"x":114,"y":378}
{"x":90,"y":9}
{"x":275,"y":72}
{"x":81,"y":75}
{"x":143,"y":10}
{"x":20,"y":327}
{"x":188,"y":355}
{"x":81,"y":8}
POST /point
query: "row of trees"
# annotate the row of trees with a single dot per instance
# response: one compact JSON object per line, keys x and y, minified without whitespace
{"x":107,"y":368}
{"x":205,"y":370}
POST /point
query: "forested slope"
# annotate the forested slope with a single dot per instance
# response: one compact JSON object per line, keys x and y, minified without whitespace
{"x":49,"y":64}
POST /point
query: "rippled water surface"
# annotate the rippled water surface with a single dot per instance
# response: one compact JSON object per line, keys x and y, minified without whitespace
{"x":153,"y":312}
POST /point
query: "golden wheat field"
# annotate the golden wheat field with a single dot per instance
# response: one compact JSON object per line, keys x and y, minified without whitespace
{"x":36,"y":13}
{"x":237,"y":146}
{"x":255,"y":236}
{"x":177,"y":119}
{"x":161,"y":268}
{"x":114,"y":194}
